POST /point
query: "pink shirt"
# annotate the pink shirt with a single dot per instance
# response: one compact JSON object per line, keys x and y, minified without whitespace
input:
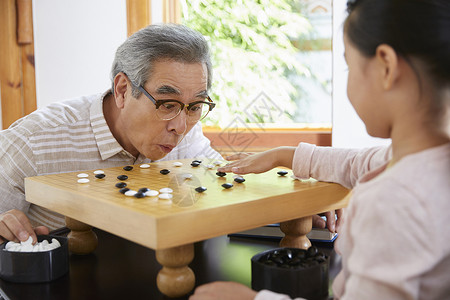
{"x":395,"y":238}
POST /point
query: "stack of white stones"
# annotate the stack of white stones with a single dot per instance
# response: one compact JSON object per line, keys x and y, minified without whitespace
{"x":27,"y":246}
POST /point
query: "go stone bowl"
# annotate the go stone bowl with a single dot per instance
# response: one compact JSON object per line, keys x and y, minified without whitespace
{"x":34,"y":267}
{"x":292,"y":271}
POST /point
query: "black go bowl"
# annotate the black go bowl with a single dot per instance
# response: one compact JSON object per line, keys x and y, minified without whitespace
{"x":291,"y":271}
{"x":34,"y":267}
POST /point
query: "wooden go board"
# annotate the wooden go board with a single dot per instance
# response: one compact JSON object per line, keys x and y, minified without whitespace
{"x":192,"y":216}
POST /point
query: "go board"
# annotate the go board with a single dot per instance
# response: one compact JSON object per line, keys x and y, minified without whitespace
{"x":190,"y":216}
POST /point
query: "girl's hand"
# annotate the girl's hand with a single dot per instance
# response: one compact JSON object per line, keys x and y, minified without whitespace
{"x":245,"y":163}
{"x":223,"y":291}
{"x":261,"y":162}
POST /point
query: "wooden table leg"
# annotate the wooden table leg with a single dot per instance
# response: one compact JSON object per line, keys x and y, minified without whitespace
{"x":82,"y":240}
{"x":295,"y":233}
{"x":175,"y":279}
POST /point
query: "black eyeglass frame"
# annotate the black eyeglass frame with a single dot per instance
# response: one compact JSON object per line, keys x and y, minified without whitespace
{"x":158,"y":103}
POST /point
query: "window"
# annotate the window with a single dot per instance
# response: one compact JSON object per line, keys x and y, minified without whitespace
{"x":272,"y":64}
{"x":272,"y":61}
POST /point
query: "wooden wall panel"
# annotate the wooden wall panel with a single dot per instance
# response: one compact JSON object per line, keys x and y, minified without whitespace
{"x":234,"y":140}
{"x":29,"y":79}
{"x":10,"y":73}
{"x":17,"y":75}
{"x":171,"y":11}
{"x":138,"y":15}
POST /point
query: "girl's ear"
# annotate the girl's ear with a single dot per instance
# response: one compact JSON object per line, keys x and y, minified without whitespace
{"x":120,"y":89}
{"x":388,"y":62}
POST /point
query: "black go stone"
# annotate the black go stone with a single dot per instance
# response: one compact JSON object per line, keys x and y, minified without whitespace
{"x":121,"y":185}
{"x":239,"y":179}
{"x":122,"y":177}
{"x":278,"y":260}
{"x":143,"y":190}
{"x":139,"y":195}
{"x":128,"y":168}
{"x":291,"y":258}
{"x":282,"y":173}
{"x":195,"y":164}
{"x":312,"y":251}
{"x":221,"y":174}
{"x":270,"y":263}
{"x":200,"y":189}
{"x":197,"y":161}
{"x":124,"y":190}
{"x":164,"y":171}
{"x":227,"y":185}
{"x":295,"y":261}
{"x":100,"y":176}
{"x":301,"y":255}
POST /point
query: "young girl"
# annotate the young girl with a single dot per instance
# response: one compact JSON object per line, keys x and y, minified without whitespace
{"x":394,"y":239}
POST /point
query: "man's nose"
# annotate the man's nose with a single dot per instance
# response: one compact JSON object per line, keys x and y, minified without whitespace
{"x":179,"y":124}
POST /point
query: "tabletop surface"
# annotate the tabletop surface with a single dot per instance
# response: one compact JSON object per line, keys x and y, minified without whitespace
{"x":120,"y":269}
{"x":190,"y":216}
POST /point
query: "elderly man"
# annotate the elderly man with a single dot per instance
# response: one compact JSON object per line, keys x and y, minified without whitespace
{"x":160,"y":78}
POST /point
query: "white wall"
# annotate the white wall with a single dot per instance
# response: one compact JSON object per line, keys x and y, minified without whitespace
{"x":75,"y":42}
{"x":348,"y":129}
{"x":157,"y":8}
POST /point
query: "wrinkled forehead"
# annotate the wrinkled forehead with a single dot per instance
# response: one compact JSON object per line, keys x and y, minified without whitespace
{"x":172,"y":77}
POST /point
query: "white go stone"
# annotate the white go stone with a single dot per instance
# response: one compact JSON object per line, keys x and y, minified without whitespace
{"x":209,"y":166}
{"x":165,"y":196}
{"x":151,"y":193}
{"x":177,"y":164}
{"x":56,"y":242}
{"x":82,"y":175}
{"x":11,"y":245}
{"x":130,"y":193}
{"x":218,"y":162}
{"x":145,"y":166}
{"x":166,"y":190}
{"x":52,"y":246}
{"x":27,"y":246}
{"x":186,"y":176}
{"x":14,"y":248}
{"x":29,"y":241}
{"x":99,"y":172}
{"x":83,"y":180}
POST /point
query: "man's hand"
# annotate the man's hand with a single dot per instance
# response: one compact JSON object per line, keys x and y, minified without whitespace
{"x":15,"y":226}
{"x":332,"y":223}
{"x":223,"y":291}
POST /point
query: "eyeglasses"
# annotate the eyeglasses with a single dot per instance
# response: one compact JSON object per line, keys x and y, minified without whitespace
{"x":169,"y":109}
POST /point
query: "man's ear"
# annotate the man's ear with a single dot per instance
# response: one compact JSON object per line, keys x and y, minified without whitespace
{"x":121,"y":86}
{"x":388,"y":62}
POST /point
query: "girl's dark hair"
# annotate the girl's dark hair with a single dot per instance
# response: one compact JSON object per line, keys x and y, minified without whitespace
{"x":415,"y":29}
